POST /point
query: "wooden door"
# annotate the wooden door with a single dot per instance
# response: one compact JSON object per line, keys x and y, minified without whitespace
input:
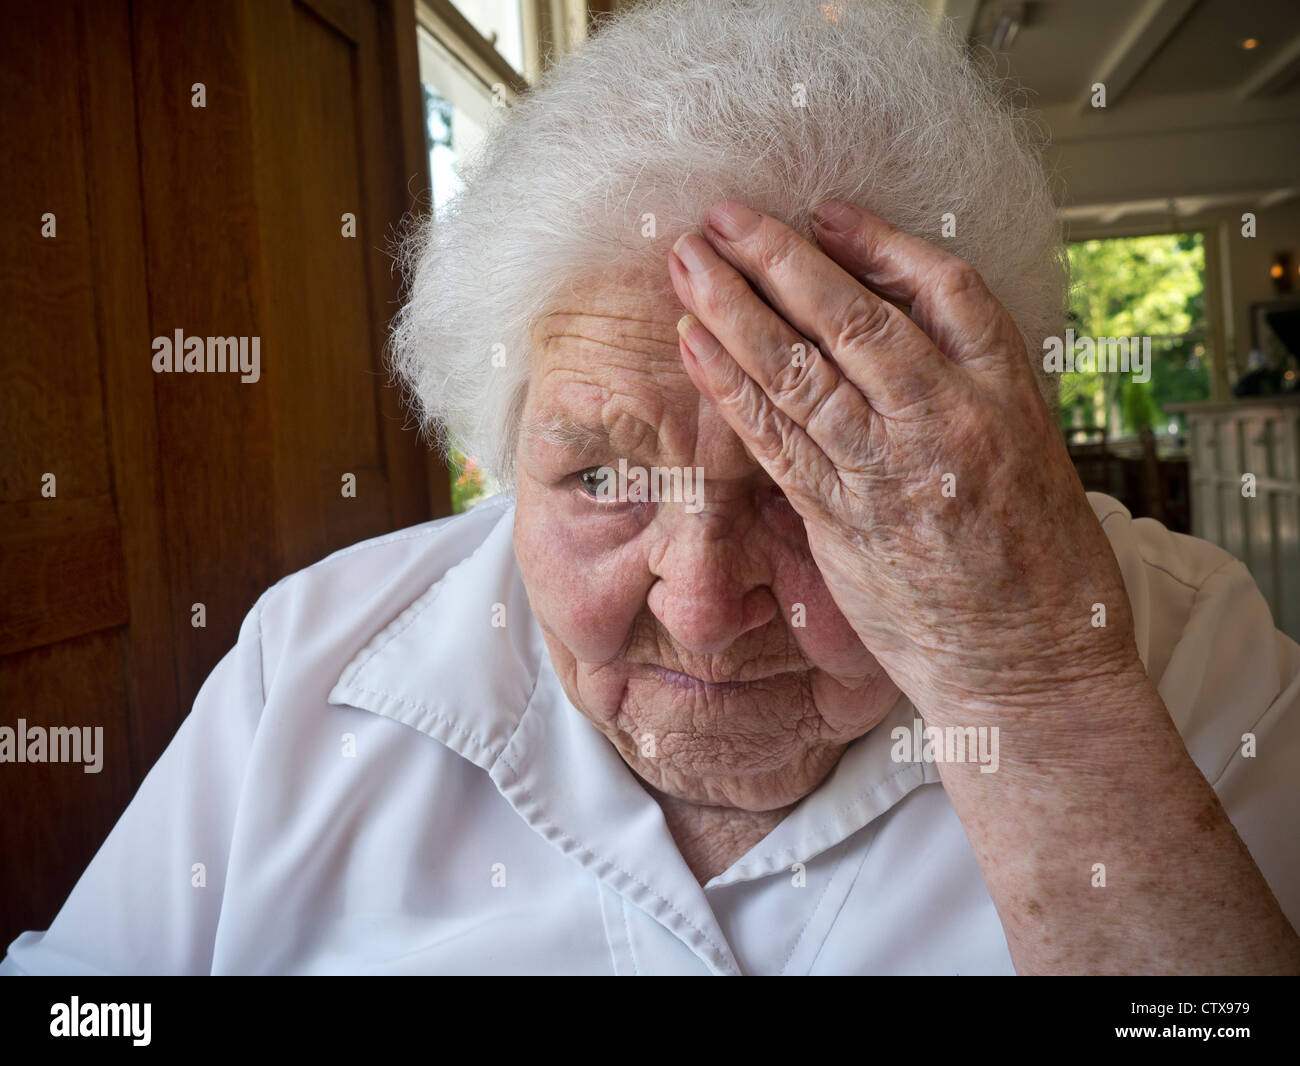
{"x":133,"y":502}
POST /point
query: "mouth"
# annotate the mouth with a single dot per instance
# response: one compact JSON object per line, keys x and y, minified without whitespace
{"x":687,"y":682}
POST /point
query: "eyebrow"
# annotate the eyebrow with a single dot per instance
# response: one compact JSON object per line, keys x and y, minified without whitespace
{"x":563,"y":432}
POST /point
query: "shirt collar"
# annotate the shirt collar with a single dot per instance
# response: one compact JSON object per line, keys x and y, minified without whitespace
{"x":488,"y":692}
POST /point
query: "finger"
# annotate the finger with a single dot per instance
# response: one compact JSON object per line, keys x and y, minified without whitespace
{"x":778,"y":444}
{"x":800,"y":382}
{"x":949,"y":299}
{"x":877,"y":347}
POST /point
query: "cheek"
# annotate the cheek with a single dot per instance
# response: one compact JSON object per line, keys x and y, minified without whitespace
{"x":586,"y":584}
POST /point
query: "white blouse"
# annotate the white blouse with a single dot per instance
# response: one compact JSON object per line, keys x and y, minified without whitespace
{"x":377,"y":779}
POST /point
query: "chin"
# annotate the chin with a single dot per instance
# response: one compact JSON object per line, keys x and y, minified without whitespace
{"x":754,"y":786}
{"x":758,"y":744}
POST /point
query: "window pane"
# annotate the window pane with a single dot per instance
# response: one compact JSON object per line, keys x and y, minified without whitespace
{"x":1150,"y":290}
{"x":458,"y":110}
{"x":499,"y":17}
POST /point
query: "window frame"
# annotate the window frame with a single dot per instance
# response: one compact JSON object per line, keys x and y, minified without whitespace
{"x":470,"y":48}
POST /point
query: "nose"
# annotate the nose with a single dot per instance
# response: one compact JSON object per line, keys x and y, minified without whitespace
{"x":707,"y":595}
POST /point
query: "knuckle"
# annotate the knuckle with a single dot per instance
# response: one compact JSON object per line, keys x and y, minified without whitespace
{"x":751,"y":407}
{"x":742,"y":398}
{"x":866,"y":321}
{"x":808,"y":393}
{"x":783,"y":464}
{"x":725,"y":298}
{"x":959,"y":278}
{"x":775,"y":251}
{"x":791,"y":380}
{"x":831,"y":415}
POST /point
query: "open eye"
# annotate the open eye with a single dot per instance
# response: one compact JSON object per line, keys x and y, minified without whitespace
{"x":598,"y":482}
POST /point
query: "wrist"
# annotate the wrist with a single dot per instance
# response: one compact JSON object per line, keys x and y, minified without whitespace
{"x":1082,"y":727}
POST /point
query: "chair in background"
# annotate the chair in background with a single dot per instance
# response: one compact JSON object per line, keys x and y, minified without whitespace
{"x":1098,"y":468}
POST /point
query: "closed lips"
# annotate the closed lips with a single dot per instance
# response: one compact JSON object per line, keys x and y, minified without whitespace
{"x":675,"y":677}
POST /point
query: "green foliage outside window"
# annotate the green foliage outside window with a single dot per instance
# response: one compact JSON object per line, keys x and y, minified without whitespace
{"x":1138,"y":287}
{"x":468,"y":483}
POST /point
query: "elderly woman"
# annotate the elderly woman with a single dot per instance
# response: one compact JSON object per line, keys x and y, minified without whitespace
{"x":797,"y":646}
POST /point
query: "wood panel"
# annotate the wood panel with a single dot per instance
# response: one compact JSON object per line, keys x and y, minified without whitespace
{"x":51,"y":401}
{"x":205,"y":278}
{"x":326,"y":118}
{"x":305,"y":130}
{"x":61,"y":569}
{"x":63,"y":558}
{"x":183,"y":488}
{"x":57,"y":814}
{"x":121,"y":283}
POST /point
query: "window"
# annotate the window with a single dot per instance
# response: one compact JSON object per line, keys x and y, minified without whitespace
{"x":470,"y":56}
{"x":457,"y":111}
{"x":1141,"y":288}
{"x":500,"y":24}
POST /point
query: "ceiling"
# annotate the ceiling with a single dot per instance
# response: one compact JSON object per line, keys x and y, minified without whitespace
{"x":1194,"y":120}
{"x":1157,"y":49}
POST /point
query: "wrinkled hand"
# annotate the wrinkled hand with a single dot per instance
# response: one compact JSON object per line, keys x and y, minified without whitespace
{"x":938,"y":497}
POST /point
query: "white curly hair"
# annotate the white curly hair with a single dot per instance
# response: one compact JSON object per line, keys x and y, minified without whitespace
{"x":671,"y":106}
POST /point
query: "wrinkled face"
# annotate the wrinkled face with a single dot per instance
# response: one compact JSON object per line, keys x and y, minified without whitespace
{"x":696,"y":633}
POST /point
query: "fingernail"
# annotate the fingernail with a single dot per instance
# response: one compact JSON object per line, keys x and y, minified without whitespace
{"x":702,"y":344}
{"x":834,"y":215}
{"x":733,"y":220}
{"x":694,"y":252}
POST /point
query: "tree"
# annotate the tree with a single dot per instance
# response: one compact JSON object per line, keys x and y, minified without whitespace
{"x":1150,"y":286}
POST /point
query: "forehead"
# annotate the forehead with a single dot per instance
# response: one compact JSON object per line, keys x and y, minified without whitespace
{"x":606,"y":351}
{"x":607,"y":379}
{"x":631,"y":317}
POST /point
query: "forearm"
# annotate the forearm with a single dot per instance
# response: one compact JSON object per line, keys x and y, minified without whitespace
{"x":1106,"y":851}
